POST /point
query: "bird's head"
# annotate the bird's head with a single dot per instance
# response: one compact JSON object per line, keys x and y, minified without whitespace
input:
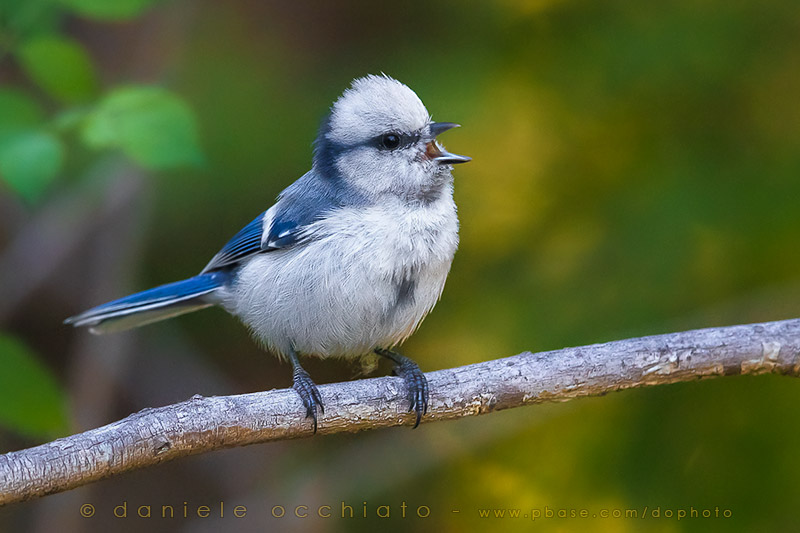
{"x":380,"y":138}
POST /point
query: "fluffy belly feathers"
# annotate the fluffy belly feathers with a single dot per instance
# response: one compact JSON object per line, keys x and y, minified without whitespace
{"x":376,"y":282}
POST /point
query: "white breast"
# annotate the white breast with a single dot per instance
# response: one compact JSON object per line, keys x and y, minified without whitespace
{"x":365,"y":279}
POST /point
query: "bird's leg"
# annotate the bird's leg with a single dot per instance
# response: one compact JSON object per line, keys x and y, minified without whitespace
{"x":415,"y":381}
{"x":306,"y":388}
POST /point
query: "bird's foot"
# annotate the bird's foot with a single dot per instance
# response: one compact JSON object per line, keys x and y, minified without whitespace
{"x":416,"y":383}
{"x":308,"y":392}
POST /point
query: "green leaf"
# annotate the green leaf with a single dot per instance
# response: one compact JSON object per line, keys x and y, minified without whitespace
{"x":17,"y":110}
{"x":29,"y":161}
{"x":69,"y":118}
{"x":151,"y":125}
{"x":22,"y":18}
{"x":31,"y":402}
{"x":108,"y":9}
{"x":60,"y":66}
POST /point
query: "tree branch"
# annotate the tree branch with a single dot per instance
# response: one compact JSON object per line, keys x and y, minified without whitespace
{"x":201,"y":424}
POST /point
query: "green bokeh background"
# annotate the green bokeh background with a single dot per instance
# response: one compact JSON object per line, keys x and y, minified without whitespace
{"x":636,"y":170}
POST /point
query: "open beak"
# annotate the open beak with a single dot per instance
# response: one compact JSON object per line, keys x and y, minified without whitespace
{"x":435,"y":152}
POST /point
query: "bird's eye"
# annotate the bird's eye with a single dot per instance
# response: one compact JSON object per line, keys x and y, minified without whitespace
{"x":390,"y":141}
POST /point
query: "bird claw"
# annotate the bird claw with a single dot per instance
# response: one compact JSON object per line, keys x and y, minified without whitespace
{"x":415,"y":380}
{"x":309,"y":394}
{"x":417,"y":385}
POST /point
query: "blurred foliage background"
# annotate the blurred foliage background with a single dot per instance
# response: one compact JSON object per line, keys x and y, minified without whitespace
{"x":636,"y":171}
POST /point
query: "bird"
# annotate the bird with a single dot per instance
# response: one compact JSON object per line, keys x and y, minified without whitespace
{"x":350,"y":258}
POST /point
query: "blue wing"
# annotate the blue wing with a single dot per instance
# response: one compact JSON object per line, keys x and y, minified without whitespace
{"x":307,"y":200}
{"x":243,"y":244}
{"x":282,"y":233}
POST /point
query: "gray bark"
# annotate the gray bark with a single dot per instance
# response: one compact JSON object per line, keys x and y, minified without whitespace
{"x":201,"y":424}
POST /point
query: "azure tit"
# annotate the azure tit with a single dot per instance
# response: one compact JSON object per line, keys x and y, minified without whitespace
{"x":351,"y":257}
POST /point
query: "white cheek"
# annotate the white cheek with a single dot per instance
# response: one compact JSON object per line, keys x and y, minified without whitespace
{"x":380,"y":171}
{"x":368,"y":169}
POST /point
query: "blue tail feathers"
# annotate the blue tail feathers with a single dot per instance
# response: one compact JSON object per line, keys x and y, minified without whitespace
{"x":152,"y":305}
